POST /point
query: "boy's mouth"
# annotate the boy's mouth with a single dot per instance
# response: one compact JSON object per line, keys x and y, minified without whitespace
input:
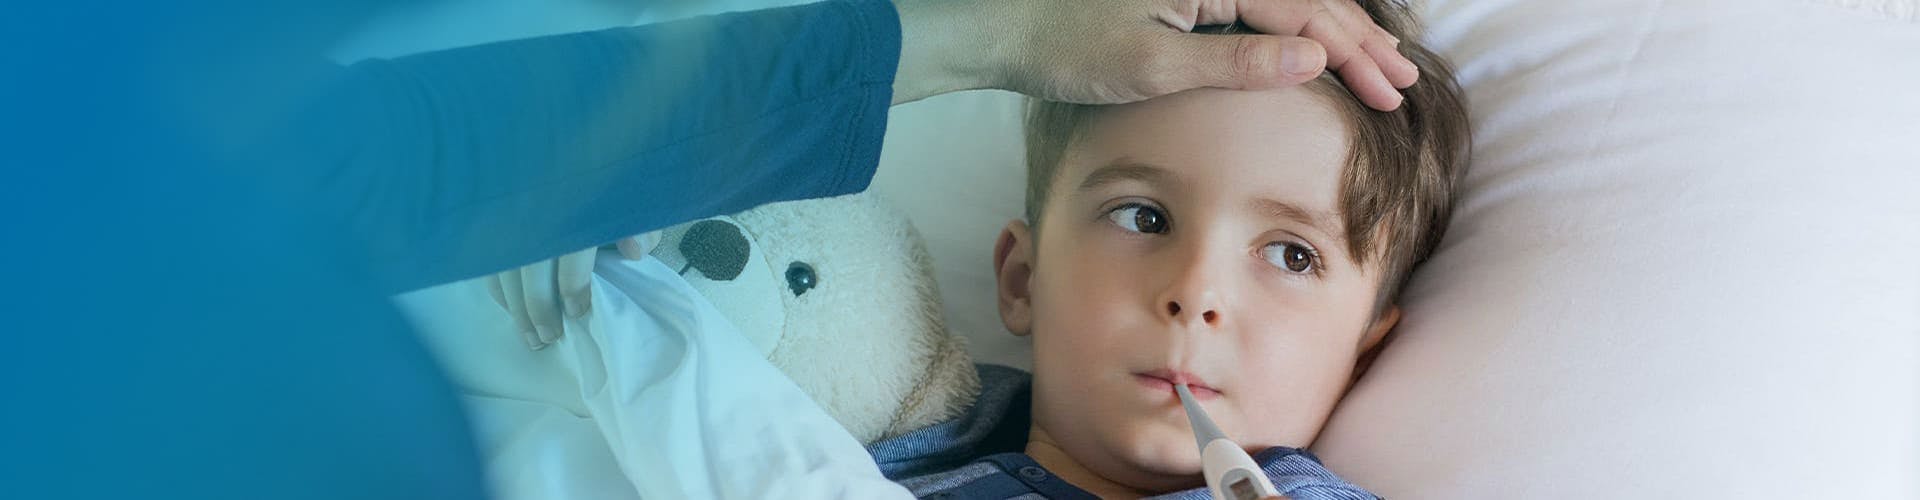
{"x":1164,"y":380}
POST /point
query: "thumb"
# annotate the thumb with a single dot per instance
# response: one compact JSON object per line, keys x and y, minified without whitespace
{"x":1249,"y":62}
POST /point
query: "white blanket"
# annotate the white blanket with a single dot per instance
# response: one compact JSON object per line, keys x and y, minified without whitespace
{"x":654,"y":396}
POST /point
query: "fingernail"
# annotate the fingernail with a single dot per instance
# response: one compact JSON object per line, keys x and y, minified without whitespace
{"x":533,"y":343}
{"x":1302,"y":57}
{"x":547,"y":335}
{"x":1390,"y":37}
{"x":1295,"y":63}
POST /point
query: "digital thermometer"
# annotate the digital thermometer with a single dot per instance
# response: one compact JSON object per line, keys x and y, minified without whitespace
{"x":1230,"y":472}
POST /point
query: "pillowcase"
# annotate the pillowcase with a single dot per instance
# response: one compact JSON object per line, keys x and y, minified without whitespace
{"x":1683,"y":264}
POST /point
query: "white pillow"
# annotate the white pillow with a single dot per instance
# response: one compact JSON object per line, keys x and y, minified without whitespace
{"x":1686,"y":262}
{"x":956,"y":164}
{"x":1685,"y":265}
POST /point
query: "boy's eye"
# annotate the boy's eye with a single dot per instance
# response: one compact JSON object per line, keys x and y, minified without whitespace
{"x":1139,"y":218}
{"x":1290,"y":256}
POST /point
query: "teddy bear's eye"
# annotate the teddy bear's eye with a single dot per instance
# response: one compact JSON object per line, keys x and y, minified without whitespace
{"x":800,"y":278}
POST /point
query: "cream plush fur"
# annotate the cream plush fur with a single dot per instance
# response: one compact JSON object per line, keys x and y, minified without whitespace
{"x":866,"y":340}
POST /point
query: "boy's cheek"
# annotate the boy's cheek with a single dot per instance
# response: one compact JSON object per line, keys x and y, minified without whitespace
{"x":1289,"y":404}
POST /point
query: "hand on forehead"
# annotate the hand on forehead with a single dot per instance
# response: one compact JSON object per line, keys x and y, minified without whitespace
{"x":1110,"y":51}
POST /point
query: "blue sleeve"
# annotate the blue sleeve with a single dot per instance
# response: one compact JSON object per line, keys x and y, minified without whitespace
{"x":453,"y":164}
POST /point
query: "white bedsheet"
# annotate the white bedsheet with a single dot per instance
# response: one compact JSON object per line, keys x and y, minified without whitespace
{"x":655,"y":396}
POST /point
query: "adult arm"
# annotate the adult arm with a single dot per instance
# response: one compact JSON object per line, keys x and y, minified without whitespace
{"x":518,"y":151}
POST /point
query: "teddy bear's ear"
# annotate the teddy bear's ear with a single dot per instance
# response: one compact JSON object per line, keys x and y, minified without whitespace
{"x":714,"y":248}
{"x":721,"y":258}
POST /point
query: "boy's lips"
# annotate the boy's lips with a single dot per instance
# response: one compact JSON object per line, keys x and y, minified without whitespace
{"x":1164,"y":380}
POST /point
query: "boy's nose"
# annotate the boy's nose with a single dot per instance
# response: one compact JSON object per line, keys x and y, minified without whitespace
{"x":1192,"y":303}
{"x":1208,"y":316}
{"x":1189,"y":298}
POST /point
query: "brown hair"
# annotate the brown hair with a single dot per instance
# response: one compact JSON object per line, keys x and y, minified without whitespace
{"x":1397,"y":189}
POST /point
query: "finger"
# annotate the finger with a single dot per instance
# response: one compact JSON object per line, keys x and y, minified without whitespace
{"x":1367,"y":83}
{"x":1353,"y":18}
{"x":1306,"y":18}
{"x":630,"y":248}
{"x":1400,"y":71}
{"x":1342,"y":46}
{"x":1273,"y":17}
{"x":517,"y":309}
{"x":1311,"y":19}
{"x":493,"y":289}
{"x":543,"y":299}
{"x":1374,"y":41}
{"x":1348,"y":12}
{"x":1246,"y":61}
{"x":576,"y":281}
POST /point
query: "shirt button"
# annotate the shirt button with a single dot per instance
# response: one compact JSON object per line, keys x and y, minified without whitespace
{"x":1033,"y":473}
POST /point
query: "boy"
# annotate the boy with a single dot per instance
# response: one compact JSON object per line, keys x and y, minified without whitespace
{"x":1258,"y":263}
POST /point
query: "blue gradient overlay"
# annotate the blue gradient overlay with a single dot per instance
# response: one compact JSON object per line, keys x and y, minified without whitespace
{"x":204,"y":218}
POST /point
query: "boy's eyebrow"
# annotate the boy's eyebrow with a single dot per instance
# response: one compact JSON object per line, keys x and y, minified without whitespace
{"x":1322,"y":221}
{"x":1125,"y":169}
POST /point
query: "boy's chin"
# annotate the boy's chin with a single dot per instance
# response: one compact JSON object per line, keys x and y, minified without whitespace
{"x":1166,"y":453}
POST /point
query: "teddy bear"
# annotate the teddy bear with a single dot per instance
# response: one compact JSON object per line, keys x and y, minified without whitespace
{"x":837,"y":294}
{"x":820,"y":285}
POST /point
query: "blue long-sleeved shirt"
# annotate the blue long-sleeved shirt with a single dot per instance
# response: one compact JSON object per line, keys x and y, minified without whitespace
{"x":981,"y":455}
{"x":577,"y":140}
{"x":202,"y":221}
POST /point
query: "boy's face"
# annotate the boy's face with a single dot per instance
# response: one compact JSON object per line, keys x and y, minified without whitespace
{"x":1194,"y":236}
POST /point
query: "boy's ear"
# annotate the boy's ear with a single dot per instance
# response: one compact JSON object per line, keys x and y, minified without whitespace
{"x":1013,"y":272}
{"x":1381,"y":325}
{"x":1370,"y":344}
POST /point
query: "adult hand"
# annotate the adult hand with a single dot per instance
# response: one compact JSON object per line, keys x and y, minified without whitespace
{"x":1115,"y":51}
{"x":536,"y":296}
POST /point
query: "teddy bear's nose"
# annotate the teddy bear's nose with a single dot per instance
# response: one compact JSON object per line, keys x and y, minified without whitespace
{"x":716,"y":248}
